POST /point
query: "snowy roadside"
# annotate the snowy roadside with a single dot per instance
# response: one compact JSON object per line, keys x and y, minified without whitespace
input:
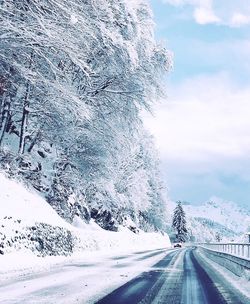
{"x":76,"y":279}
{"x":91,"y":272}
{"x":101,"y":244}
{"x":96,"y":261}
{"x":240,"y":284}
{"x":29,"y":224}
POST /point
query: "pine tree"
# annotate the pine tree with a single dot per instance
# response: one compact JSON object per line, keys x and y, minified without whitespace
{"x":179,"y":223}
{"x":218,"y":237}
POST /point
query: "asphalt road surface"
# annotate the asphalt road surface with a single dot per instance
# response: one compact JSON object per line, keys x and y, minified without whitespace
{"x":181,"y":277}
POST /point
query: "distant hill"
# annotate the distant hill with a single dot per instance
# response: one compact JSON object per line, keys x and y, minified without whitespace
{"x":215,"y":216}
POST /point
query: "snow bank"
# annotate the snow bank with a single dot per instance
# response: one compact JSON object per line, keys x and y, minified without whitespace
{"x":18,"y":202}
{"x":94,"y":237}
{"x":29,"y":224}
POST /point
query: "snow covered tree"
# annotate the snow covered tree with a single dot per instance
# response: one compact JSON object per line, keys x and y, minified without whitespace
{"x":218,"y":237}
{"x":74,"y":77}
{"x":179,"y":223}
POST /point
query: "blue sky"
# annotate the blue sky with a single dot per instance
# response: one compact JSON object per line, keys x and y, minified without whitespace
{"x":202,"y":128}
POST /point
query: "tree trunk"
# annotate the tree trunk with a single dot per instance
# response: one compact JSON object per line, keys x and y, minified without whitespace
{"x":24,"y":121}
{"x":34,"y":141}
{"x":2,"y":102}
{"x":5,"y":117}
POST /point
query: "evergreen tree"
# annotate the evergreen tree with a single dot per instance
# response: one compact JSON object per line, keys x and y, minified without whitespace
{"x":218,"y":237}
{"x":179,"y":223}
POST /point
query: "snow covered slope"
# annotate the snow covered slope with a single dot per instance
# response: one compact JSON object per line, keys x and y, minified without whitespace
{"x":215,"y":216}
{"x":226,"y":213}
{"x":29,"y":224}
{"x":20,"y":203}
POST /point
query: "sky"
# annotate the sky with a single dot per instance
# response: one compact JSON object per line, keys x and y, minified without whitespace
{"x":202,"y":127}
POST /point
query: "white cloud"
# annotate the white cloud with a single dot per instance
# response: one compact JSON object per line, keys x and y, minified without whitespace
{"x":206,"y":120}
{"x":227,"y":12}
{"x":189,"y":2}
{"x":204,"y":15}
{"x":203,"y":10}
{"x":203,"y":134}
{"x":239,"y":19}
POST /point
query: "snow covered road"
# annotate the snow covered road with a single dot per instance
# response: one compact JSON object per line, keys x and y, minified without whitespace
{"x":160,"y":276}
{"x":181,"y":277}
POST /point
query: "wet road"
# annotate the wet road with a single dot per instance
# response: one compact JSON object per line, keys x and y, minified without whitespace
{"x":181,"y":277}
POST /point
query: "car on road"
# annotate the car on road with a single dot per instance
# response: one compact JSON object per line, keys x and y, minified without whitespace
{"x":177,"y":245}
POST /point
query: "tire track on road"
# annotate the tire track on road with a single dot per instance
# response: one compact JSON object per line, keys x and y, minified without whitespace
{"x":136,"y":290}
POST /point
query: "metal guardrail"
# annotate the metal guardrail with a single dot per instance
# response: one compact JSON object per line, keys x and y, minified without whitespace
{"x":241,"y":250}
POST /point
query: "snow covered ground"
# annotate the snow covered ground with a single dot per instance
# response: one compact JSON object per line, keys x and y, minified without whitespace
{"x":22,"y":209}
{"x":73,"y":280}
{"x":100,"y":259}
